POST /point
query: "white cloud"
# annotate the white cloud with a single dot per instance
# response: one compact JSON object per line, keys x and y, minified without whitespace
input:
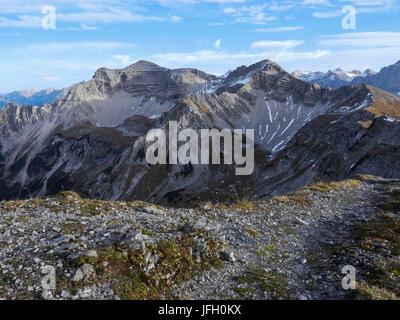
{"x":222,"y":60}
{"x":51,"y":78}
{"x":327,"y":14}
{"x":76,"y":47}
{"x":217,"y":44}
{"x":21,"y":22}
{"x":27,"y":13}
{"x":279,"y":29}
{"x":123,"y":60}
{"x":249,"y":14}
{"x":276,"y":44}
{"x":363,"y":40}
{"x":317,"y":2}
{"x":112,"y":15}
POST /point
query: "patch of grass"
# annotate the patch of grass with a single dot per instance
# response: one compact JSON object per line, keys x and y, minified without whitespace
{"x":385,"y":227}
{"x":365,"y":177}
{"x":261,"y":253}
{"x":244,"y":292}
{"x":252,"y":232}
{"x":272,"y":245}
{"x":274,"y":283}
{"x":284,"y":228}
{"x":335,"y":185}
{"x":383,"y":278}
{"x":385,"y":104}
{"x":126,"y":269}
{"x":372,"y":292}
{"x":298,"y":198}
{"x":365,"y":124}
{"x":243,"y":205}
{"x":67,"y":201}
{"x":390,"y":201}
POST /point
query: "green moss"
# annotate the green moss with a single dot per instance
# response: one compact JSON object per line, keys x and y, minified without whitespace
{"x":252,"y":232}
{"x":372,"y":292}
{"x":244,"y":292}
{"x":261,"y":253}
{"x":275,"y":284}
{"x":125,"y":270}
{"x":272,"y":245}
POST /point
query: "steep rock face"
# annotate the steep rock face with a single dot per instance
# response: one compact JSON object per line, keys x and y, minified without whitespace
{"x":353,"y":137}
{"x":93,"y":140}
{"x":387,"y":79}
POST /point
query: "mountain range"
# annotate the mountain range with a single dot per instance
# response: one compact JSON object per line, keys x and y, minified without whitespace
{"x":387,"y":79}
{"x":92,"y":140}
{"x":32,"y":97}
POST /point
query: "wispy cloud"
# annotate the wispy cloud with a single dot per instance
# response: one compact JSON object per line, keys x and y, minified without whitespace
{"x":62,"y":47}
{"x":27,"y":13}
{"x":276,"y":44}
{"x":217,"y":43}
{"x":279,"y":29}
{"x":249,"y":14}
{"x":363,"y":40}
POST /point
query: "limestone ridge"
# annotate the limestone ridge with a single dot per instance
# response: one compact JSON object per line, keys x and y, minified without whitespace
{"x":92,"y":140}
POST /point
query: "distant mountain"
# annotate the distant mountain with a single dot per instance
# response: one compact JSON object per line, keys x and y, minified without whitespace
{"x":387,"y":79}
{"x":333,"y":78}
{"x":93,"y":140}
{"x":33,"y":97}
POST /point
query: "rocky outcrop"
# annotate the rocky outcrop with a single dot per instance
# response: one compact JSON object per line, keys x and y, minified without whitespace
{"x":289,"y":247}
{"x":387,"y":79}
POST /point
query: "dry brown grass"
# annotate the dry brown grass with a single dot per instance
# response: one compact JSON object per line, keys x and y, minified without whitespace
{"x":382,"y":282}
{"x":252,"y":232}
{"x":366,"y":177}
{"x":386,"y":227}
{"x":298,"y":198}
{"x":375,"y":293}
{"x":336,"y":185}
{"x":385,"y":104}
{"x":243,"y":205}
{"x":71,"y":201}
{"x":365,"y":124}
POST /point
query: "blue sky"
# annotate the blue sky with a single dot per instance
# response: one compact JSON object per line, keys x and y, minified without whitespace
{"x":212,"y":35}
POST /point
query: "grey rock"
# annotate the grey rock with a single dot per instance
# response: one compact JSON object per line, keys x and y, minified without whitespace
{"x":83,"y":273}
{"x":228,"y":256}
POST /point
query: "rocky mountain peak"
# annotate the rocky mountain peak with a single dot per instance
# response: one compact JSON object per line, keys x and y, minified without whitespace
{"x":243,"y":74}
{"x":143,"y":65}
{"x":369,"y":72}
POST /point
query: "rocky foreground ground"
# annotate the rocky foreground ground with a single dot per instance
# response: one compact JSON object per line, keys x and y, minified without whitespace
{"x":290,"y":247}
